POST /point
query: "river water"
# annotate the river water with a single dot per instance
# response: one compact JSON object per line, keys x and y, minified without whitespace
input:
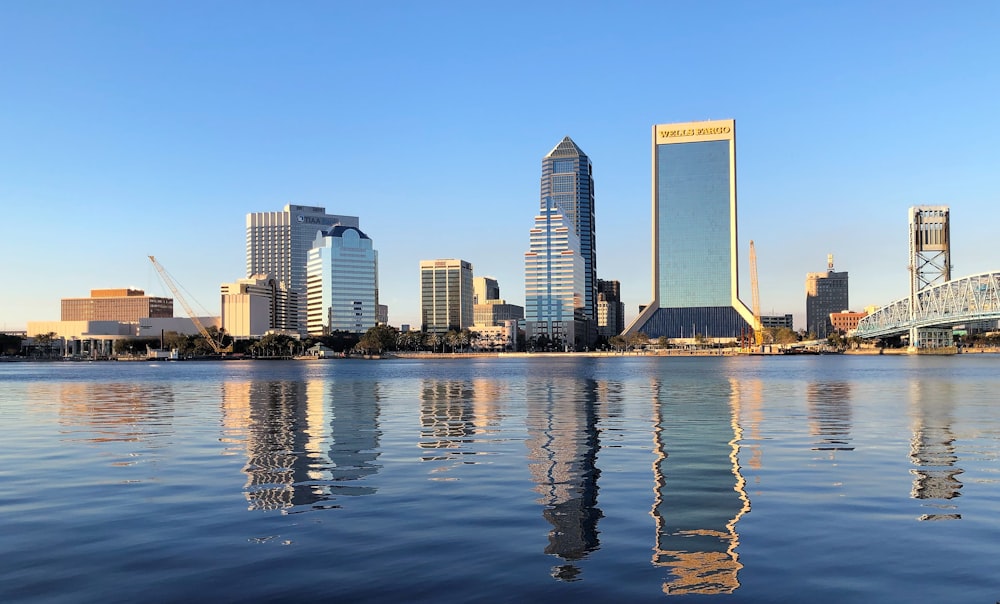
{"x":639,"y":479}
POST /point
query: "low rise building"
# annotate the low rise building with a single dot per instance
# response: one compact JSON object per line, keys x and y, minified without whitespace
{"x":256,"y":306}
{"x":124,"y":304}
{"x":495,"y":312}
{"x":846,"y":320}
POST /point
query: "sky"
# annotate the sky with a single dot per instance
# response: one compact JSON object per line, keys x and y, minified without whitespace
{"x":130,"y":129}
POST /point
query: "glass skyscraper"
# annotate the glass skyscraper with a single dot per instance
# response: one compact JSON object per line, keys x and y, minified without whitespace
{"x":342,"y":282}
{"x":695,"y":276}
{"x":554,"y":281}
{"x":568,"y":182}
{"x":278,"y":245}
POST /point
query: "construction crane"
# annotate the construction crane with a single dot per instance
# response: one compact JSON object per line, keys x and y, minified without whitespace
{"x":758,"y":329}
{"x":216,"y":346}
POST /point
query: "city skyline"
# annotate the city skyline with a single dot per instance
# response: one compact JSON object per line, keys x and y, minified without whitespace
{"x":130,"y":131}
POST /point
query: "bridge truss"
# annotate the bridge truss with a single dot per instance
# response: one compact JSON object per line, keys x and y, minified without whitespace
{"x":973,"y":298}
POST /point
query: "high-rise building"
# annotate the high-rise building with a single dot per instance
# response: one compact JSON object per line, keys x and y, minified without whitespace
{"x":445,"y":295}
{"x":610,"y":309}
{"x":568,"y":183}
{"x":122,"y":305}
{"x":484,"y":289}
{"x":254,"y":306}
{"x":554,"y":282}
{"x":826,"y":293}
{"x":695,"y":275}
{"x":278,"y":244}
{"x":342,"y":282}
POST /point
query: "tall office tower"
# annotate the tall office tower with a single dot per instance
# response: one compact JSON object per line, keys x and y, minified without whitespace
{"x":252,"y":307}
{"x":445,"y":295}
{"x":568,"y":181}
{"x":695,"y":275}
{"x":278,"y":245}
{"x":483,"y":289}
{"x":554,"y":282}
{"x":342,"y":282}
{"x":610,"y":309}
{"x":825,"y":293}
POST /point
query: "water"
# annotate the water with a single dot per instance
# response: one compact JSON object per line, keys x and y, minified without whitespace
{"x":820,"y":479}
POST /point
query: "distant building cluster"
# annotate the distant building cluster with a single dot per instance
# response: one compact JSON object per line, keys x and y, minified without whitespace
{"x":314,"y":273}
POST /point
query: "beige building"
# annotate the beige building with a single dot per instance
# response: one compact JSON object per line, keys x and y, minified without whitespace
{"x":502,"y":337}
{"x":445,"y":295}
{"x":124,"y":305}
{"x":495,"y":312}
{"x":258,"y":305}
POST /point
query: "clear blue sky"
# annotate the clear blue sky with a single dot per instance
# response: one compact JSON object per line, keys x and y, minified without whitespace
{"x":136,"y":128}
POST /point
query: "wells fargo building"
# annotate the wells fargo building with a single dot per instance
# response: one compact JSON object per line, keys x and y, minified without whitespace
{"x":695,"y":276}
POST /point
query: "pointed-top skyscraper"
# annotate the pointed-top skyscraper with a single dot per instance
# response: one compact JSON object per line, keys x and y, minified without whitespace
{"x":568,"y":180}
{"x":561,"y":264}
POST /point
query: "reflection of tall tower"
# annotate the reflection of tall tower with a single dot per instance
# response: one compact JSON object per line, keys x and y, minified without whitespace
{"x":932,"y":450}
{"x":563,"y":441}
{"x":301,"y":443}
{"x":446,"y":417}
{"x":700,"y":494}
{"x":830,"y":415}
{"x":354,"y":437}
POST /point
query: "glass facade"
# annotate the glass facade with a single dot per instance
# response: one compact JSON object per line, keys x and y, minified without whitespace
{"x":694,"y":255}
{"x":554,"y":280}
{"x":342,"y":279}
{"x":568,"y":183}
{"x":693,"y":191}
{"x":278,"y":243}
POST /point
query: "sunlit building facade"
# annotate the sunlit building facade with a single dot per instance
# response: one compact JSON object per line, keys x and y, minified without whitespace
{"x":278,"y":244}
{"x":554,"y":282}
{"x":446,"y":295}
{"x":568,"y":183}
{"x":255,"y":306}
{"x":123,"y":304}
{"x":342,"y":282}
{"x":695,"y":274}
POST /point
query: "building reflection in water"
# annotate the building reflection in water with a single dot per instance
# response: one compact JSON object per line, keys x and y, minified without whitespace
{"x":119,"y":412}
{"x":454,"y":416}
{"x":306,"y":442}
{"x":700,"y":491}
{"x":830,"y":415}
{"x":932,"y":449}
{"x":563,"y":442}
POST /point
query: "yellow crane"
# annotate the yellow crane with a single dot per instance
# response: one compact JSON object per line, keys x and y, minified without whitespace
{"x":758,"y":329}
{"x":216,"y":346}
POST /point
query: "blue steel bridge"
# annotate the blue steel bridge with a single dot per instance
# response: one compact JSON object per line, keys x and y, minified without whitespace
{"x":955,"y":302}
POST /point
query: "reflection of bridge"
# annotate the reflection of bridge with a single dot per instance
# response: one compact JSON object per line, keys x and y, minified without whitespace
{"x":955,"y":302}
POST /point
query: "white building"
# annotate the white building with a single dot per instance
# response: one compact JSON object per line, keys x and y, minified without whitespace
{"x":554,"y":281}
{"x":253,"y":307}
{"x":342,"y":282}
{"x":278,"y":244}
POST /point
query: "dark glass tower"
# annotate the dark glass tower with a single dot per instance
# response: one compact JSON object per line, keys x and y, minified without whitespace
{"x":568,"y":180}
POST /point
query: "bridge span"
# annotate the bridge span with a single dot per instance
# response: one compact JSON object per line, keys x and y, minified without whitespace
{"x":954,"y":302}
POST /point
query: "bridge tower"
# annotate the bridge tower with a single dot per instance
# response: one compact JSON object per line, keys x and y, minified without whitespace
{"x":930,"y":265}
